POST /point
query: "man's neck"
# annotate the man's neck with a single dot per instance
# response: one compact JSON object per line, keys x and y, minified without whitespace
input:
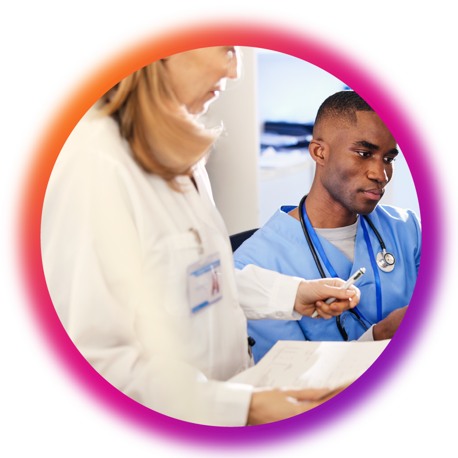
{"x":324,"y":212}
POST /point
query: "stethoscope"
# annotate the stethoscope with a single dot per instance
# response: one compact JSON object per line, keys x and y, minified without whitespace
{"x":385,"y":261}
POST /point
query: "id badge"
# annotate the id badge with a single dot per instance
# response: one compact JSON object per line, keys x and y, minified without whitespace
{"x":204,"y":282}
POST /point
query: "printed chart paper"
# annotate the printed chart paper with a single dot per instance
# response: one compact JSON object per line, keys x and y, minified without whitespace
{"x":312,"y":364}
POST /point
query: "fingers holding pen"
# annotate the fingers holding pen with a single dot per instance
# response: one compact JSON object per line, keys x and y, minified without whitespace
{"x":347,"y":294}
{"x":345,"y":300}
{"x":312,"y":296}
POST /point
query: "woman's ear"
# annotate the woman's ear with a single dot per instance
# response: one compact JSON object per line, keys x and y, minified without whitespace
{"x":317,"y":149}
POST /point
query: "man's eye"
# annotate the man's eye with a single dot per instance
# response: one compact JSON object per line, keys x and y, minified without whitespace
{"x":389,"y":160}
{"x":364,"y":153}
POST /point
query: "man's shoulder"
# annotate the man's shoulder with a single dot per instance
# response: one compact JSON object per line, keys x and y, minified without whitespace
{"x":278,"y":234}
{"x":277,"y":226}
{"x":395,"y":215}
{"x":399,"y":224}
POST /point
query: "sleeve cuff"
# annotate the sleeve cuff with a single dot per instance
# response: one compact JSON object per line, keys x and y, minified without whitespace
{"x":265,"y":294}
{"x":283,"y":298}
{"x":232,"y":404}
{"x":368,"y":336}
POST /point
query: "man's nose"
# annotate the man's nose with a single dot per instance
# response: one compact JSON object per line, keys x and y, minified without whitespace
{"x":378,"y":172}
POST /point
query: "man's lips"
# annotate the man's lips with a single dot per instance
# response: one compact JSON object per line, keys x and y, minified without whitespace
{"x":374,"y":194}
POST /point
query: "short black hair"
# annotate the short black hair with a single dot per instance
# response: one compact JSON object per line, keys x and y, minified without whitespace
{"x":342,"y":105}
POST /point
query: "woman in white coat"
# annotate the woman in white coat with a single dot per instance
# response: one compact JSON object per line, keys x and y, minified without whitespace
{"x":131,"y":241}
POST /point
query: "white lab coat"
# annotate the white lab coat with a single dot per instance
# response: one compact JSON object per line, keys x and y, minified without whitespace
{"x":116,"y":245}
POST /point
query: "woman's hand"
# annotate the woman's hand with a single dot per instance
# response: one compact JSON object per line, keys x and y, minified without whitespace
{"x":275,"y":404}
{"x":311,"y":295}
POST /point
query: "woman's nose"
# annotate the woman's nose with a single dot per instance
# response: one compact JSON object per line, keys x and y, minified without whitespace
{"x":233,"y":68}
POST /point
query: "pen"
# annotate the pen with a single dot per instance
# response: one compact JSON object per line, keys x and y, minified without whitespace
{"x":346,"y":285}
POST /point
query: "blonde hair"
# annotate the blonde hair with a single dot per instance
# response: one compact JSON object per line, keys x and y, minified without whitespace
{"x":164,"y":138}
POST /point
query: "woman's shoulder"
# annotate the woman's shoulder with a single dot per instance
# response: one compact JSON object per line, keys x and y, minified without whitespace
{"x":96,"y":155}
{"x":96,"y":135}
{"x":95,"y":160}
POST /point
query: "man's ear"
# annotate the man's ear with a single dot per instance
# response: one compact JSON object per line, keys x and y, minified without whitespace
{"x":318,"y":151}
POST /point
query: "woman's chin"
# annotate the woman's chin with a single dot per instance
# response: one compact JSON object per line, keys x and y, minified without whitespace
{"x":202,"y":109}
{"x":198,"y":109}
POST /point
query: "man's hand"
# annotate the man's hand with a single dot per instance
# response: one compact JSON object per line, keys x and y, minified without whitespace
{"x":387,"y":327}
{"x":311,"y":295}
{"x":275,"y":404}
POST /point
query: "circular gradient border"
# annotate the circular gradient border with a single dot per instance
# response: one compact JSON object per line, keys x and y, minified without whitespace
{"x":127,"y":61}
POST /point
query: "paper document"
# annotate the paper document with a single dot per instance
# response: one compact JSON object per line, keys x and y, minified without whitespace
{"x":312,"y":364}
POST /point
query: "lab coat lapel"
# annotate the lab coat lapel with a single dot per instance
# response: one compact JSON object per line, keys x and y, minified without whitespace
{"x":203,"y":201}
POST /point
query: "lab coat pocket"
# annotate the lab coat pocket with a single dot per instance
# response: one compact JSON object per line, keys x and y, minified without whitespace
{"x":183,"y":251}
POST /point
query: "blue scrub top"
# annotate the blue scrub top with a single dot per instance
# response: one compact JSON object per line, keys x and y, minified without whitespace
{"x":280,"y":245}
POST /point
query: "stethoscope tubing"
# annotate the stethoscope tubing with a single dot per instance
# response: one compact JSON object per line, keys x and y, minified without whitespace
{"x":309,"y":240}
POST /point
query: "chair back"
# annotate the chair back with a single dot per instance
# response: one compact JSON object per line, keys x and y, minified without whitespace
{"x":238,"y":239}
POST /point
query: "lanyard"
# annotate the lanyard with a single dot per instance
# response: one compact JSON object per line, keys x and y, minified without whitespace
{"x":332,"y":272}
{"x":378,"y":286}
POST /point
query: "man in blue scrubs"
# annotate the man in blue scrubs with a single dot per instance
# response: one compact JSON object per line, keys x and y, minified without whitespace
{"x":354,"y":153}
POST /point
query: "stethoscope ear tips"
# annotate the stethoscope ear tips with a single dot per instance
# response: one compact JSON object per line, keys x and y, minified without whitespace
{"x":385,"y":261}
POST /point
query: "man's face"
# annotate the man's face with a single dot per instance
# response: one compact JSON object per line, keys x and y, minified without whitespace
{"x":359,"y":162}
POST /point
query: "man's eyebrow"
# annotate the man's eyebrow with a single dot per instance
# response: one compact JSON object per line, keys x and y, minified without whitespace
{"x":365,"y":144}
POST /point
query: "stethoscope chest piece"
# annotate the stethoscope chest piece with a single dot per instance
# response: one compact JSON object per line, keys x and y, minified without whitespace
{"x":385,"y":261}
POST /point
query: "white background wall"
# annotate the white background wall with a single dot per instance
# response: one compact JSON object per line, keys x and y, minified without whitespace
{"x":233,"y":164}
